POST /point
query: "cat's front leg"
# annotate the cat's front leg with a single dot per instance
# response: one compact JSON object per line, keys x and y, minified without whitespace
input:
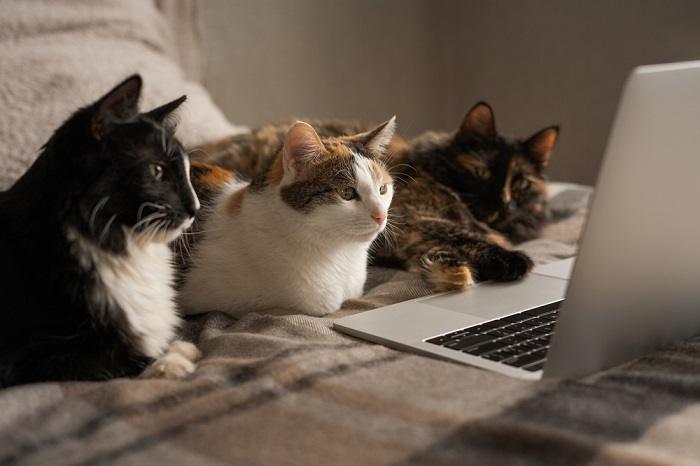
{"x":444,"y":270}
{"x":491,"y":261}
{"x":452,"y":257}
{"x":179,"y":361}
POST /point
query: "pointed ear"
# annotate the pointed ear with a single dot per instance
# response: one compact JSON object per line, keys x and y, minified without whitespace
{"x":161,"y":113}
{"x":302,"y":147}
{"x":377,"y":139}
{"x":540,"y":145}
{"x":119,"y":104}
{"x":479,"y":122}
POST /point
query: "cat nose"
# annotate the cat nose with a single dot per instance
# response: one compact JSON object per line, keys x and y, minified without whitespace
{"x":379,"y":218}
{"x":193,"y":207}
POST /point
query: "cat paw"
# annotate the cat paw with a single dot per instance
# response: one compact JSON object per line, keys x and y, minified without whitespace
{"x":179,"y":362}
{"x":510,"y":265}
{"x":186,"y":349}
{"x":446,"y":275}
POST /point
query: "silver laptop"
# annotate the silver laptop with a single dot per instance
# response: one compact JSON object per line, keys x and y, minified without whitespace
{"x":635,"y":285}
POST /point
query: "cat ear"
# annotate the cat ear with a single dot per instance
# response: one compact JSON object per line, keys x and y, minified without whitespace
{"x":119,"y":104}
{"x":540,"y":145}
{"x":302,"y":147}
{"x":377,"y":139}
{"x":479,"y":121}
{"x":161,"y":113}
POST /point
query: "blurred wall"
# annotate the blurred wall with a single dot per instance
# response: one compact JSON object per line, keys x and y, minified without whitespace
{"x":427,"y":61}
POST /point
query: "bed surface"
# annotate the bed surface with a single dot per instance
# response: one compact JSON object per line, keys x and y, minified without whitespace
{"x":290,"y":390}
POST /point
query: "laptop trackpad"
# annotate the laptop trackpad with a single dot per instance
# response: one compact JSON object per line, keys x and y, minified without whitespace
{"x":490,"y":300}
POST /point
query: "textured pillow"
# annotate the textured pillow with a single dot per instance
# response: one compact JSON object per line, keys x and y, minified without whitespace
{"x":56,"y":56}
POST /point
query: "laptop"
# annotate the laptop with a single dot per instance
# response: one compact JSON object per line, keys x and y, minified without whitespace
{"x":635,"y":285}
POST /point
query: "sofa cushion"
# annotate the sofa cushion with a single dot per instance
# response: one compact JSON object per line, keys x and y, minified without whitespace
{"x":57,"y":55}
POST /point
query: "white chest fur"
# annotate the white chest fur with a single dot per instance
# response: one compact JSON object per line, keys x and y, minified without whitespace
{"x":140,"y":283}
{"x":263,"y":258}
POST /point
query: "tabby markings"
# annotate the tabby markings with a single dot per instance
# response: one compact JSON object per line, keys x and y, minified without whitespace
{"x":276,"y":173}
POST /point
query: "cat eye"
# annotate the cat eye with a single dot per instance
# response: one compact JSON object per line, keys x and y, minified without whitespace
{"x":348,"y":193}
{"x":382,"y":189}
{"x":156,"y":171}
{"x":522,"y":184}
{"x":482,"y":173}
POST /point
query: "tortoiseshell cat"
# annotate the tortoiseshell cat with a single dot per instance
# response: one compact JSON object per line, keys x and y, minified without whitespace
{"x":297,"y":237}
{"x":86,"y":281}
{"x":466,"y":197}
{"x":461,"y":198}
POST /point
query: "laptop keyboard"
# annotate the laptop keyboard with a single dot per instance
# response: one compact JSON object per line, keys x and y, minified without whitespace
{"x":518,"y":340}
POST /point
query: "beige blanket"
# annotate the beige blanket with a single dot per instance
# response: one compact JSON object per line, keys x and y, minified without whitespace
{"x":278,"y":390}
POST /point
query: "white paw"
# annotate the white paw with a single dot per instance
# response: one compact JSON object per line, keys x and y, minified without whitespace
{"x":186,"y":349}
{"x":178,"y":362}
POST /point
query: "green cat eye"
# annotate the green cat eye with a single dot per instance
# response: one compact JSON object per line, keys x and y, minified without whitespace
{"x":348,"y":193}
{"x":156,"y":171}
{"x":382,"y":189}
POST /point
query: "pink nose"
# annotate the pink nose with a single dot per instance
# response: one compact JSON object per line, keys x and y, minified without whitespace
{"x":379,"y":218}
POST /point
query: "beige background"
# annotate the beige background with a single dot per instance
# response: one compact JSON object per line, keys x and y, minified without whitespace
{"x":536,"y":62}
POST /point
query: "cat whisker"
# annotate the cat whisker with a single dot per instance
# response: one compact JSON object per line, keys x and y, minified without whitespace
{"x":393,"y":223}
{"x":148,"y":204}
{"x":398,"y":180}
{"x":393,"y":226}
{"x":154,"y":230}
{"x":391,"y":237}
{"x":393,"y":216}
{"x":105,"y":230}
{"x":403,"y":165}
{"x":403,"y":178}
{"x":388,"y":156}
{"x":182,"y":246}
{"x":395,"y":170}
{"x":200,"y":231}
{"x":95,"y":210}
{"x":148,"y":218}
{"x":188,"y":248}
{"x":387,"y":240}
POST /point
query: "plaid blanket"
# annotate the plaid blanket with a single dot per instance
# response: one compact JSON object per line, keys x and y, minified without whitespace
{"x":289,"y":390}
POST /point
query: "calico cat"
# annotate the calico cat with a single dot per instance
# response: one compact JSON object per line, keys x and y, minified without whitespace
{"x":462,"y":199}
{"x":86,"y":277}
{"x":297,"y":237}
{"x":466,"y":197}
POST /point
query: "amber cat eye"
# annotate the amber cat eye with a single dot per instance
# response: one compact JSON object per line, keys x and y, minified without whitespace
{"x":382,"y":189}
{"x":522,"y":184}
{"x":482,"y":173}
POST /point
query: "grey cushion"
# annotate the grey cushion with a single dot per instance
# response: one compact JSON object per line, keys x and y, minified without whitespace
{"x":57,"y":55}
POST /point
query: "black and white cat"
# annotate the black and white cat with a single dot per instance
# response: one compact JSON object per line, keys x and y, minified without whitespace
{"x":86,"y":281}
